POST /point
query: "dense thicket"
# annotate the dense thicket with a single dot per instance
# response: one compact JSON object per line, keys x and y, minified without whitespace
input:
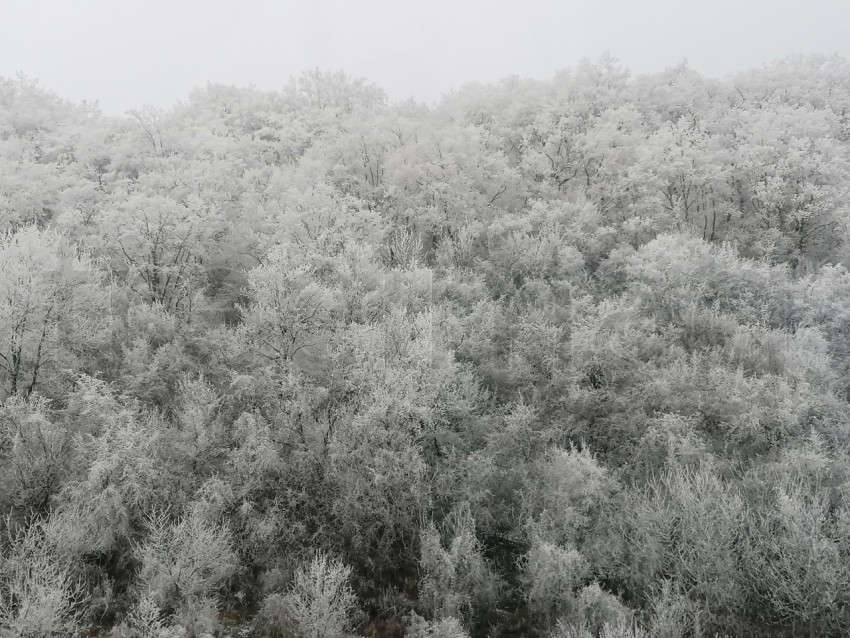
{"x":563,"y":359}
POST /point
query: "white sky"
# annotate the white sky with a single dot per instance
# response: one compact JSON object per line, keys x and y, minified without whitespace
{"x":129,"y":53}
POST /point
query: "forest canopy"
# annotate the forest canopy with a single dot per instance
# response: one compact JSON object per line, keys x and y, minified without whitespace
{"x":564,"y":358}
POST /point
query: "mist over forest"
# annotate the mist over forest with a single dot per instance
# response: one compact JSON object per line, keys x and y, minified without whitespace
{"x":557,"y":359}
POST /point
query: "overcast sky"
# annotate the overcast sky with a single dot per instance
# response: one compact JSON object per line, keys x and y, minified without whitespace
{"x":125,"y":54}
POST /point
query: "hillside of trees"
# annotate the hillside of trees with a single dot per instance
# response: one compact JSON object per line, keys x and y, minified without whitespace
{"x":557,"y":359}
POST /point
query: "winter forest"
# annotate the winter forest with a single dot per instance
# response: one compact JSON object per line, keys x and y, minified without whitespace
{"x":557,"y":359}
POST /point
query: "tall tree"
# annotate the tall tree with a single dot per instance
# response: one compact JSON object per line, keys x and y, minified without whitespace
{"x":52,"y":306}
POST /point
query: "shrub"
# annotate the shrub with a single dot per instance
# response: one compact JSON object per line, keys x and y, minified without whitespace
{"x":551,"y":573}
{"x":318,"y":604}
{"x":456,"y":581}
{"x":449,"y":627}
{"x":38,"y":594}
{"x":796,"y":559}
{"x":672,"y":614}
{"x":34,"y":453}
{"x":598,"y":608}
{"x":146,"y":621}
{"x":184,"y":560}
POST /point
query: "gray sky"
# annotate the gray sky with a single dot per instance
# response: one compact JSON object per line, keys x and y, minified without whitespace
{"x":128,"y":53}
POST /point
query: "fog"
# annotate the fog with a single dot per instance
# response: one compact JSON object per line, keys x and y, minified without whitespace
{"x":125,"y":54}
